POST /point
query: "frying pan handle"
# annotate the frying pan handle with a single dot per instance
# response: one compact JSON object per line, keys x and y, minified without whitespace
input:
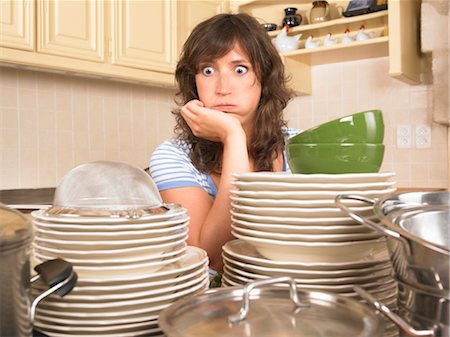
{"x":243,"y":312}
{"x":364,"y":221}
{"x":397,"y":320}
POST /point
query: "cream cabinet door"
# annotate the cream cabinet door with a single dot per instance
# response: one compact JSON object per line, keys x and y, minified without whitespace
{"x":143,"y":34}
{"x":17,"y":22}
{"x":71,"y":28}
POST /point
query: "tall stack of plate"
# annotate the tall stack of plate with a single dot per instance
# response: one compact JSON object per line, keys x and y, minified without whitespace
{"x":128,"y":271}
{"x":288,"y":225}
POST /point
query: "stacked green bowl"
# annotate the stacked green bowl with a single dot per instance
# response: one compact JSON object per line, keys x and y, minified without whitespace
{"x":350,"y":144}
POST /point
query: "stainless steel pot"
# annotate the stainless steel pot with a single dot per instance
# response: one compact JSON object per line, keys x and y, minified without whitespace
{"x":16,"y":308}
{"x":255,"y":310}
{"x":417,"y":225}
{"x":411,"y":324}
{"x":434,"y":308}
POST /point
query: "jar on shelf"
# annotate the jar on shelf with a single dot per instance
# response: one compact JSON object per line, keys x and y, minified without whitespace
{"x":291,"y":18}
{"x":320,"y":11}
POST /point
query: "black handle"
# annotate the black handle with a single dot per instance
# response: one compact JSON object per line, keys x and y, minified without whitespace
{"x":54,"y":271}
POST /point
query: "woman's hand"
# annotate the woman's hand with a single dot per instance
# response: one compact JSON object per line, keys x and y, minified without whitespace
{"x":210,"y":124}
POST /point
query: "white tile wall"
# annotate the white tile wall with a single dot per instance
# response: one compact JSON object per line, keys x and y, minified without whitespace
{"x":51,"y":123}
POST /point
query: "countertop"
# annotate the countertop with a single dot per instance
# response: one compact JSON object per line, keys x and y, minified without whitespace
{"x":27,"y":198}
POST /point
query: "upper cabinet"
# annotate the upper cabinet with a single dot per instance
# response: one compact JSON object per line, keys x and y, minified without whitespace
{"x":17,"y":25}
{"x":131,"y":40}
{"x":393,"y":32}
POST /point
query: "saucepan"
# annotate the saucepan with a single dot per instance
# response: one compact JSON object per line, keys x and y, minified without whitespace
{"x":417,"y":227}
{"x":16,"y":306}
{"x":261,"y":309}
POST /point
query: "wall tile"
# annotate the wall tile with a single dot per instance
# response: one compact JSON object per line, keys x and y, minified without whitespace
{"x":51,"y":123}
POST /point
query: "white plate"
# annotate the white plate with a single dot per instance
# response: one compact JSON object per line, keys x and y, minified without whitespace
{"x":111,"y":329}
{"x":194,"y":257}
{"x":248,"y":253}
{"x":310,"y":203}
{"x":299,"y":272}
{"x":50,"y":316}
{"x":124,"y":270}
{"x":381,"y":276}
{"x":169,"y":215}
{"x":54,"y":330}
{"x":293,"y":220}
{"x":122,"y":305}
{"x":110,"y":254}
{"x":319,"y":212}
{"x":308,"y":195}
{"x":335,"y":288}
{"x":314,"y":251}
{"x":92,"y":227}
{"x":180,"y":248}
{"x":305,"y":237}
{"x":314,"y":178}
{"x":303,"y":229}
{"x":106,"y":244}
{"x":79,"y":297}
{"x":326,"y":187}
{"x":109,"y":235}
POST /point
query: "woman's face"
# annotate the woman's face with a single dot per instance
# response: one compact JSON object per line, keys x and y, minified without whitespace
{"x":229,"y":84}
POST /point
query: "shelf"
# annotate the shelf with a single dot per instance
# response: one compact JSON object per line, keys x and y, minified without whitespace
{"x":380,"y":16}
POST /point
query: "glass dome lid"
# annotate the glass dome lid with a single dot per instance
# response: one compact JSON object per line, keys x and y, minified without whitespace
{"x":107,"y":188}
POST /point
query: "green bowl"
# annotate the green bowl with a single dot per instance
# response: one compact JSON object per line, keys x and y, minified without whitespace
{"x":361,"y":127}
{"x":334,"y":158}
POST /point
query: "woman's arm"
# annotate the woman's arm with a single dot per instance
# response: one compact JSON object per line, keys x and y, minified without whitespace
{"x":211,"y":219}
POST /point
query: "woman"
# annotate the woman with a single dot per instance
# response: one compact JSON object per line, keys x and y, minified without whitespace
{"x":232,"y":92}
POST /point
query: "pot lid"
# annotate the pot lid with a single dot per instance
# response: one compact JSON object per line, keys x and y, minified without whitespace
{"x":15,"y":228}
{"x":106,"y":188}
{"x":269,"y":311}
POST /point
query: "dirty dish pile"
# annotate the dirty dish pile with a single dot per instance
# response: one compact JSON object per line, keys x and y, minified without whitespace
{"x":288,"y":225}
{"x":350,"y":144}
{"x":131,"y":256}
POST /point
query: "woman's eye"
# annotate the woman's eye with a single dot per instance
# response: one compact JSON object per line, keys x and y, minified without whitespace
{"x":208,"y":71}
{"x":241,"y":70}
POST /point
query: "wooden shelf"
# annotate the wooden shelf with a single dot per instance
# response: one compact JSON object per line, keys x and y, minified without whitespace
{"x":395,"y":34}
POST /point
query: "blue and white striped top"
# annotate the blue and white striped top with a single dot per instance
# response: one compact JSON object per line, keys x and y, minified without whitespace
{"x":171,"y":167}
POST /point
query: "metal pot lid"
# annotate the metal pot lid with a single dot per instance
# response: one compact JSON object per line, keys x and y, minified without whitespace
{"x":15,"y":229}
{"x":269,"y":311}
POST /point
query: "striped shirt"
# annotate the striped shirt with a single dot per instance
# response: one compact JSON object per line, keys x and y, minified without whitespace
{"x":171,"y":167}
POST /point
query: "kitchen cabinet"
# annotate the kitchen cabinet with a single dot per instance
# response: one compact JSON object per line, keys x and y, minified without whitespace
{"x":395,"y":33}
{"x":17,"y":24}
{"x":130,"y":40}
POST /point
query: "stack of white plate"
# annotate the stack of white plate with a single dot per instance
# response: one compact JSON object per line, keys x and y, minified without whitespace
{"x":288,"y":224}
{"x":129,"y":269}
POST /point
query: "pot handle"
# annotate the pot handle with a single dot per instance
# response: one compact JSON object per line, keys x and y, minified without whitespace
{"x":59,"y":276}
{"x":243,"y":312}
{"x":364,"y":221}
{"x":397,"y":320}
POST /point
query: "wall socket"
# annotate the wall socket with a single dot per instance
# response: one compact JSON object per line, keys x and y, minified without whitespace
{"x":423,"y":136}
{"x":404,"y":136}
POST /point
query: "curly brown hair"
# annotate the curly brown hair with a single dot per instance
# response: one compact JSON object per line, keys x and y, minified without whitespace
{"x":210,"y":40}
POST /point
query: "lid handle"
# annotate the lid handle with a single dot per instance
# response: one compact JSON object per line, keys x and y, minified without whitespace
{"x":364,"y":221}
{"x":400,"y":322}
{"x":243,"y":312}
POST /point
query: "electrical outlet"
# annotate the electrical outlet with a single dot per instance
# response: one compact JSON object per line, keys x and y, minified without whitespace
{"x":423,"y":136}
{"x":404,"y":136}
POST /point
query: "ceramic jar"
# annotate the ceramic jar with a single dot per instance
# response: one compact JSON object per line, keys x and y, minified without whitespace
{"x":319,"y":12}
{"x":291,"y":18}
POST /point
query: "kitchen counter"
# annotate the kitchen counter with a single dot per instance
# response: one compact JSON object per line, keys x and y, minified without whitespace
{"x":28,"y":198}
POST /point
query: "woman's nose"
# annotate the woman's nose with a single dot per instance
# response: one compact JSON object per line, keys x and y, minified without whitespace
{"x":223,"y":85}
